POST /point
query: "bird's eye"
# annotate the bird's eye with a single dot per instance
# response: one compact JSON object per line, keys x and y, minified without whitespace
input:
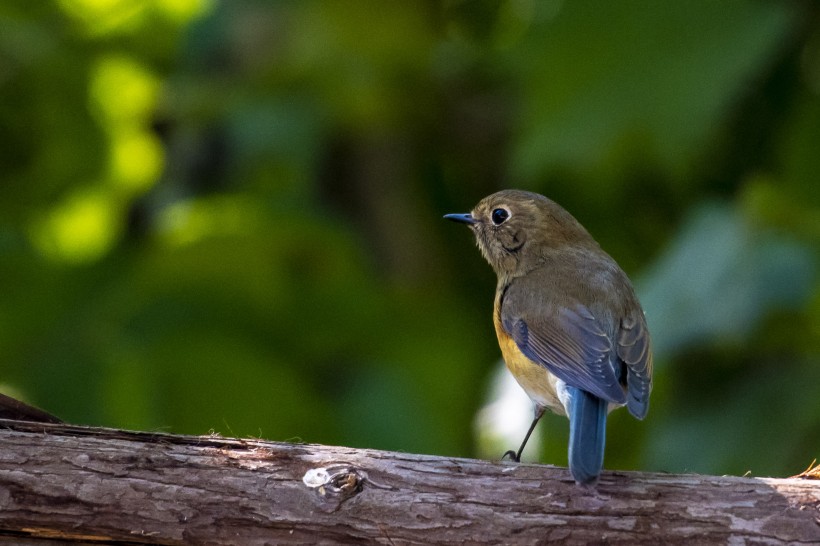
{"x":499,"y":216}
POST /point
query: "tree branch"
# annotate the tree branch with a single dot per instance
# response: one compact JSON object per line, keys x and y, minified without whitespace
{"x":104,"y":486}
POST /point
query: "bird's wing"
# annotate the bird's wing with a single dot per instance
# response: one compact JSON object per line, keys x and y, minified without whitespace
{"x":635,"y":351}
{"x":571,"y":344}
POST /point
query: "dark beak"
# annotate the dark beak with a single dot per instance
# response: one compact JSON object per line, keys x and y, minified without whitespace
{"x":461,"y":218}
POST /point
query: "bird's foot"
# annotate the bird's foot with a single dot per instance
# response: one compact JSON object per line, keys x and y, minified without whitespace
{"x":512,"y":455}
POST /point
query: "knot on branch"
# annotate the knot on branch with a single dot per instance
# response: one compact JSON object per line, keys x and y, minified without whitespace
{"x":334,"y":484}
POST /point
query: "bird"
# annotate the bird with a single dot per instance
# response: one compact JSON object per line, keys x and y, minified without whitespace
{"x":569,"y":324}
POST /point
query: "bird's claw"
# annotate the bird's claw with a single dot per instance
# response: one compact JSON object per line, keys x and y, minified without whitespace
{"x":512,"y":455}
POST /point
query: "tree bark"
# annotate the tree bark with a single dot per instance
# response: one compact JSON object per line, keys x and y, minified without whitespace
{"x":103,"y":486}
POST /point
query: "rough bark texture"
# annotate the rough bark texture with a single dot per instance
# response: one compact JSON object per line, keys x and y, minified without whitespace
{"x":88,"y":485}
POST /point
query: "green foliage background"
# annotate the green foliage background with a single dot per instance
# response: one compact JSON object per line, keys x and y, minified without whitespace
{"x":227,"y":215}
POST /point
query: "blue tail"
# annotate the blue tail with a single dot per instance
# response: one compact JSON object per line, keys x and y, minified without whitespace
{"x":587,"y":432}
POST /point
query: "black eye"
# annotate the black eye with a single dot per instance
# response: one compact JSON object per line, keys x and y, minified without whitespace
{"x":499,"y":216}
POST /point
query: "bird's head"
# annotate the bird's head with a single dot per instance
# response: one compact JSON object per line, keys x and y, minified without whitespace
{"x":516,"y":229}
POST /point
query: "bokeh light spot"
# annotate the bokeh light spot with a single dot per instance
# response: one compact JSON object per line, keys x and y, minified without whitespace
{"x":101,"y":17}
{"x":82,"y":229}
{"x":122,"y":91}
{"x":136,"y":161}
{"x":182,"y":11}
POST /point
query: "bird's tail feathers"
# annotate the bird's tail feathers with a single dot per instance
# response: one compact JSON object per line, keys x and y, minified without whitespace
{"x":587,"y":434}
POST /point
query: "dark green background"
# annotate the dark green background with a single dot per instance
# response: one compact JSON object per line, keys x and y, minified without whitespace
{"x":227,"y":215}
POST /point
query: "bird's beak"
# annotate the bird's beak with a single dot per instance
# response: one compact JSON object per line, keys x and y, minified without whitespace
{"x":462,"y":218}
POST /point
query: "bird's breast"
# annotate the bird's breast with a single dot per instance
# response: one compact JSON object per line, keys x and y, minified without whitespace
{"x":539,"y":384}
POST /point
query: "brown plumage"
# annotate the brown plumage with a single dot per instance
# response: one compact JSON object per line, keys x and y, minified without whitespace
{"x":565,"y":314}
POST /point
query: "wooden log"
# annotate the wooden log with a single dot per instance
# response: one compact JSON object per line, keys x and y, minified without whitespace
{"x":103,"y":486}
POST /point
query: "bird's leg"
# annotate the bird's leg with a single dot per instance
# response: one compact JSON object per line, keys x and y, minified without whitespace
{"x":539,"y":411}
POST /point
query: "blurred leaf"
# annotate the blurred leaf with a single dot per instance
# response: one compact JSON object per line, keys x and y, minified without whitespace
{"x":767,"y":406}
{"x":651,"y":74}
{"x":719,"y":277}
{"x":227,"y":215}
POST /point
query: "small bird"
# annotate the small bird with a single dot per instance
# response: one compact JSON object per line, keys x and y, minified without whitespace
{"x":569,"y":325}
